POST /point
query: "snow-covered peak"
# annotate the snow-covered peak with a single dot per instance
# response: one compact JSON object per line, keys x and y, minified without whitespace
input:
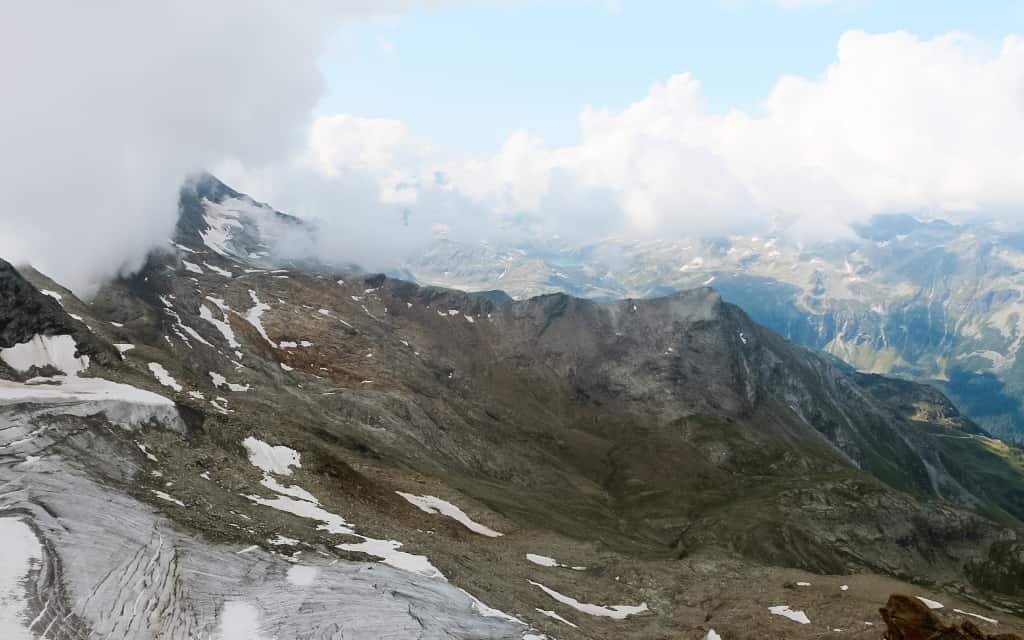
{"x":216,"y":222}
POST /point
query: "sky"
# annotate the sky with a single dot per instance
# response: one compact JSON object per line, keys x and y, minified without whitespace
{"x":393,"y":122}
{"x":469,"y":76}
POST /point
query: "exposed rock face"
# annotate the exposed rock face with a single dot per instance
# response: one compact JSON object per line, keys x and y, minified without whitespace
{"x":663,"y":462}
{"x":25,"y":313}
{"x":921,"y":299}
{"x":907,"y":618}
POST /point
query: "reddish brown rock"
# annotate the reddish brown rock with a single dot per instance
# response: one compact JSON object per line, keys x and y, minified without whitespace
{"x":907,"y":618}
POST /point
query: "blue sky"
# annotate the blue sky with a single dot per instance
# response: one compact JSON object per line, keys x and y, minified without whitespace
{"x":466,"y":77}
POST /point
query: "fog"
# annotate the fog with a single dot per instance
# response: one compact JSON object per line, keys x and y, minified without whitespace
{"x":106,"y":106}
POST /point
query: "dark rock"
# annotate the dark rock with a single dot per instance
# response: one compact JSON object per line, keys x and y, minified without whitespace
{"x":25,"y":313}
{"x":907,"y":618}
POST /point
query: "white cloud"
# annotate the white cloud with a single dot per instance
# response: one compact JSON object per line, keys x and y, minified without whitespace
{"x":896,"y":123}
{"x":103,"y":112}
{"x":105,"y":106}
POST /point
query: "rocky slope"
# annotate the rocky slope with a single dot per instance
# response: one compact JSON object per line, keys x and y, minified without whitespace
{"x":925,"y":300}
{"x":355,"y":455}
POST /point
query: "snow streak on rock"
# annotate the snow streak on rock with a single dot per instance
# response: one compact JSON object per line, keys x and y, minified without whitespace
{"x":617,"y":612}
{"x":794,"y":615}
{"x":432,"y":504}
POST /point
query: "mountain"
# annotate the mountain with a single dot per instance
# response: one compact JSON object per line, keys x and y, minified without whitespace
{"x":223,"y":446}
{"x":923,"y":300}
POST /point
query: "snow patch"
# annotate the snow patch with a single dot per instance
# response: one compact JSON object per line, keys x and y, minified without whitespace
{"x":180,"y":326}
{"x":786,"y":612}
{"x":329,"y":522}
{"x":555,"y":616}
{"x":163,"y":377}
{"x":298,"y":502}
{"x":220,"y":220}
{"x":223,"y":326}
{"x":41,"y":351}
{"x":387,"y":551}
{"x":253,"y":316}
{"x":220,"y":404}
{"x":975,"y":615}
{"x":931,"y":604}
{"x":294,"y":491}
{"x":218,"y":270}
{"x":545,"y":561}
{"x":192,"y":267}
{"x":221,"y":381}
{"x":168,"y":497}
{"x":271,"y":459}
{"x":433,"y":504}
{"x":144,"y":450}
{"x":490,"y":612}
{"x":617,"y":612}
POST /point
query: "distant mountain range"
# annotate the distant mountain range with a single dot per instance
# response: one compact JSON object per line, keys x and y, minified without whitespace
{"x":921,"y":299}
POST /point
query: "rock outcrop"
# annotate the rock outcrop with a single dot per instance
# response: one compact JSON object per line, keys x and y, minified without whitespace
{"x":25,"y":312}
{"x":907,"y":618}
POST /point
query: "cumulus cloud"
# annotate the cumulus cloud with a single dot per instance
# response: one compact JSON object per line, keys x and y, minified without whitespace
{"x":106,"y":106}
{"x":895,"y":124}
{"x":104,"y":111}
{"x":368,"y":186}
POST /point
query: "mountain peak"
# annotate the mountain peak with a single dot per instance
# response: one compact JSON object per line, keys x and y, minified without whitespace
{"x":214,"y":218}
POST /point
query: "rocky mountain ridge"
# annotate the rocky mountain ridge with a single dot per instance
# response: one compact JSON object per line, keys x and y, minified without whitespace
{"x":626,"y":468}
{"x":920,"y":299}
